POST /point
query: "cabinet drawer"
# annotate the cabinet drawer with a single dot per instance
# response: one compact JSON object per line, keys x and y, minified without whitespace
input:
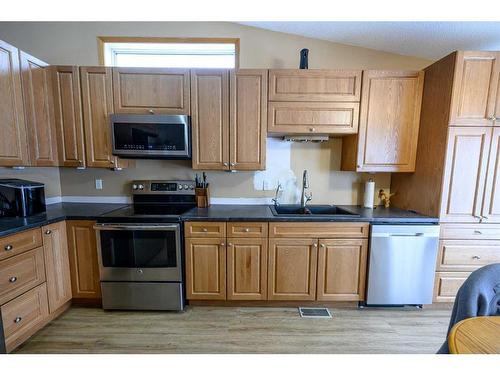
{"x":459,"y":255}
{"x":24,"y":315}
{"x":205,"y":229}
{"x":21,"y":273}
{"x":315,"y":85}
{"x":318,"y":230}
{"x":446,"y":285}
{"x":20,"y":242}
{"x":470,"y":231}
{"x":247,"y":229}
{"x":313,"y":118}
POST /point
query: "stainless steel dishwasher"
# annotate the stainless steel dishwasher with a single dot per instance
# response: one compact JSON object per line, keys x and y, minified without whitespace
{"x":402,"y":264}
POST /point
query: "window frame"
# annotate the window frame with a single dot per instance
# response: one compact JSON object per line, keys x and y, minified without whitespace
{"x":101,"y":40}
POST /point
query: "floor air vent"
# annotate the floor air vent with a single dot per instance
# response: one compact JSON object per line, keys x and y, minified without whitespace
{"x":314,"y":312}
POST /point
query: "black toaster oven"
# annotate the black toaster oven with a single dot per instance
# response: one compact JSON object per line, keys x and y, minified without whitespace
{"x":21,"y":198}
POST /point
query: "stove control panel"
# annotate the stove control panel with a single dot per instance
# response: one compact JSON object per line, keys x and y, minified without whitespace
{"x":163,"y":187}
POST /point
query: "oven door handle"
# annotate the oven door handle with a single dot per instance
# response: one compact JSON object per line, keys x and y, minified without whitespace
{"x":136,"y":227}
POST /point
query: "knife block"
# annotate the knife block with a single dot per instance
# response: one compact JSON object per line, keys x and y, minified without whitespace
{"x":202,"y":197}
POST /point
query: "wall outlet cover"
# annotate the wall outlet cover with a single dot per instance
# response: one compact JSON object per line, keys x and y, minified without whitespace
{"x":98,"y":184}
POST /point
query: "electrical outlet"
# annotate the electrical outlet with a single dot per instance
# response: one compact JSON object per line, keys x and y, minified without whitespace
{"x":98,"y":184}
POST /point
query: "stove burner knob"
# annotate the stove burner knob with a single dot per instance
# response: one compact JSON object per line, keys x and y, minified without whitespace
{"x":186,"y":187}
{"x":134,"y":187}
{"x":179,"y":187}
{"x":191,"y":187}
{"x":141,"y":187}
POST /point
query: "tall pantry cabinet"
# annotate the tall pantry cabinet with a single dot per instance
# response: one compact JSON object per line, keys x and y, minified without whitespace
{"x":457,"y":162}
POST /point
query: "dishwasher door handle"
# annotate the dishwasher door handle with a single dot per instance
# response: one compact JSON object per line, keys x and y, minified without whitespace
{"x":406,"y":234}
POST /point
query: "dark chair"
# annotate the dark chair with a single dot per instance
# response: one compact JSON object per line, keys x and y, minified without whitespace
{"x":478,"y":296}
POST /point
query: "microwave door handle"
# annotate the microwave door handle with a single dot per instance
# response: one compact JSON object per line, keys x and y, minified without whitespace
{"x":135,"y":227}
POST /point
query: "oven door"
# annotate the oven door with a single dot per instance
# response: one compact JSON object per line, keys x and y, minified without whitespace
{"x":139,"y":252}
{"x":151,"y":136}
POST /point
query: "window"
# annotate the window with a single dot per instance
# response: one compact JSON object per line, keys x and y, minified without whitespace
{"x":169,"y":52}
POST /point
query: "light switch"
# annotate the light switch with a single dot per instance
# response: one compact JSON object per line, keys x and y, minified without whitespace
{"x":98,"y":184}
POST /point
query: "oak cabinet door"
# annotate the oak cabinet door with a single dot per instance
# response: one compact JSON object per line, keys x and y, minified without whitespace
{"x":38,"y":109}
{"x":205,"y":268}
{"x":55,"y":248}
{"x":247,"y":269}
{"x":83,"y":261}
{"x":68,"y":115}
{"x":13,"y":142}
{"x":342,"y":270}
{"x":465,"y":174}
{"x":151,"y":90}
{"x":497,"y":88}
{"x":292,"y":269}
{"x":474,"y":89}
{"x":97,"y":99}
{"x":314,"y":85}
{"x":248,"y":119}
{"x":389,"y":121}
{"x":210,"y":118}
{"x":491,"y":201}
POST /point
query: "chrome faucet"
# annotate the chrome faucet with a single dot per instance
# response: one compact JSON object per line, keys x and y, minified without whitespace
{"x":304,"y":198}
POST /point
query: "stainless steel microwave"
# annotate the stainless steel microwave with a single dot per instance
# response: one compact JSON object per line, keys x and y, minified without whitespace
{"x":151,"y":136}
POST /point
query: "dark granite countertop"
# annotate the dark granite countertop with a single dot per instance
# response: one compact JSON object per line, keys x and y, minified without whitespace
{"x":378,"y":215}
{"x":91,"y":211}
{"x":57,"y":212}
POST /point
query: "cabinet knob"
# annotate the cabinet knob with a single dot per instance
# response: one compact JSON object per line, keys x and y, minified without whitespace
{"x":13,"y":279}
{"x":112,"y":162}
{"x":229,"y":244}
{"x":492,"y":118}
{"x":48,"y":231}
{"x":232,"y":164}
{"x":322,"y":245}
{"x":18,"y":319}
{"x":476,"y":257}
{"x":478,"y":232}
{"x":315,"y":245}
{"x":312,"y":129}
{"x":80,"y":162}
{"x":246,"y":230}
{"x":151,"y":111}
{"x":222,"y":244}
{"x":8,"y":247}
{"x":205,"y":230}
{"x":225,"y":164}
{"x":139,"y":271}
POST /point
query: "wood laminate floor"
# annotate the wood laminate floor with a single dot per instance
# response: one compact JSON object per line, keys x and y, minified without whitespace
{"x":242,"y":330}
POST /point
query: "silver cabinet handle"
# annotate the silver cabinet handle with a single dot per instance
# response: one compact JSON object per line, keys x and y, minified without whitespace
{"x":18,"y":319}
{"x":8,"y":247}
{"x":13,"y":279}
{"x":48,"y":231}
{"x":476,"y":257}
{"x":478,"y":232}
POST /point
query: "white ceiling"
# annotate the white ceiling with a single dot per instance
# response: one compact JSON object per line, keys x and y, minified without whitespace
{"x":430,"y":40}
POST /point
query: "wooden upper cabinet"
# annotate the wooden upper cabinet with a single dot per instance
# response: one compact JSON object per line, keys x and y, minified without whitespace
{"x":151,"y":90}
{"x":342,"y":269}
{"x":248,"y":119}
{"x":13,"y":142}
{"x":38,"y":109}
{"x":491,"y":201}
{"x":55,"y":248}
{"x":301,"y":85}
{"x":389,"y":123}
{"x":97,"y":100}
{"x":465,"y":174}
{"x":475,"y":89}
{"x":210,"y":118}
{"x":84,"y":266}
{"x":247,"y":268}
{"x":68,"y":115}
{"x":292,"y":269}
{"x":497,"y":88}
{"x":205,"y":268}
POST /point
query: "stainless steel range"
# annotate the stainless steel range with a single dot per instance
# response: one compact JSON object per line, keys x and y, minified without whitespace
{"x":140,"y":248}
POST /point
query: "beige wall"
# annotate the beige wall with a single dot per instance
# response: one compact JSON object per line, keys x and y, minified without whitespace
{"x":48,"y":176}
{"x":75,"y":43}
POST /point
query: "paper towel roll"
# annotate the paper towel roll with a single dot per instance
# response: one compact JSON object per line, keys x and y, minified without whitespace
{"x":369,"y":193}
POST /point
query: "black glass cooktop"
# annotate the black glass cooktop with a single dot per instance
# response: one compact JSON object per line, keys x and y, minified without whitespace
{"x":147,"y":212}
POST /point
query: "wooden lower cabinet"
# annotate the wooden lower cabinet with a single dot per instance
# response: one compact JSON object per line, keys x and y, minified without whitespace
{"x":292,"y":269}
{"x":55,"y":246}
{"x":23,"y":316}
{"x":446,"y":285}
{"x":342,"y":269}
{"x":205,"y":268}
{"x":84,"y":266}
{"x":247,"y":269}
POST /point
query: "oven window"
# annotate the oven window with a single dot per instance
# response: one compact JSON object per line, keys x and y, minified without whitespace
{"x":138,"y":249}
{"x":150,"y":137}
